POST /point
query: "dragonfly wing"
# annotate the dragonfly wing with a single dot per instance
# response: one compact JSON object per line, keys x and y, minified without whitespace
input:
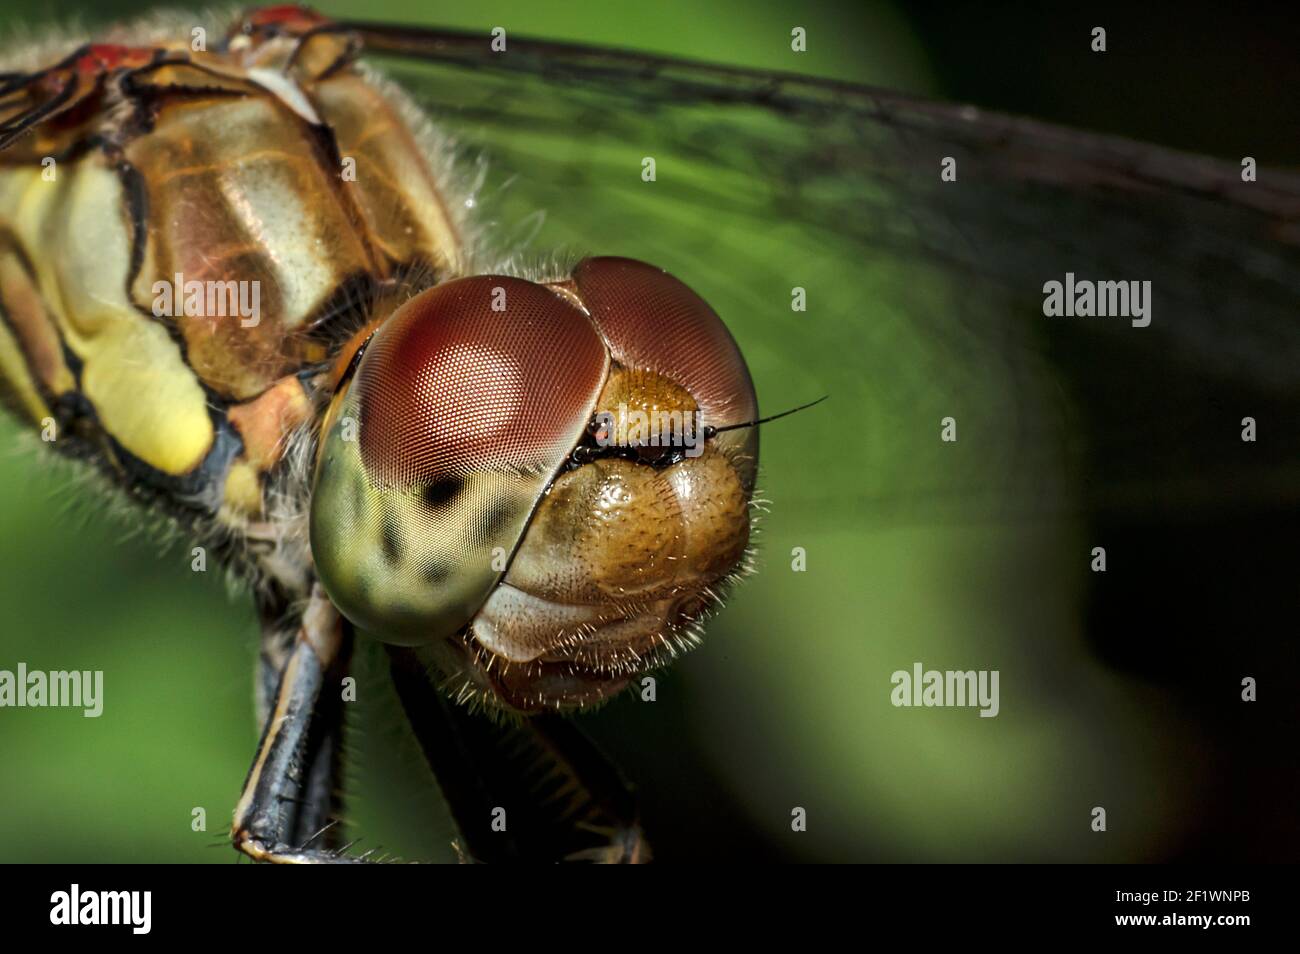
{"x":924,"y":298}
{"x":924,"y":313}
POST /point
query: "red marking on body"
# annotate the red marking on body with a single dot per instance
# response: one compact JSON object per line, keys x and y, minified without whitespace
{"x":106,"y":57}
{"x":285,"y":15}
{"x":98,"y":60}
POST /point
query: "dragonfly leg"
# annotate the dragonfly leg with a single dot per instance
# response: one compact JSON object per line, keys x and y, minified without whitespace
{"x":538,"y":790}
{"x":288,"y":807}
{"x":320,"y":804}
{"x":613,"y":818}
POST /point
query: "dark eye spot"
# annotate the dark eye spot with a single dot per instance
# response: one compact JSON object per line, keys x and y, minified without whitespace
{"x":441,"y":492}
{"x":392,"y":541}
{"x":494,"y":521}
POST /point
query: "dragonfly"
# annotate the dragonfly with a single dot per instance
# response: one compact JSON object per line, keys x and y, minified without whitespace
{"x":938,"y":290}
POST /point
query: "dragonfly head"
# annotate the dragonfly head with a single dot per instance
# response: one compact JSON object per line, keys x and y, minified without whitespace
{"x":525,"y":479}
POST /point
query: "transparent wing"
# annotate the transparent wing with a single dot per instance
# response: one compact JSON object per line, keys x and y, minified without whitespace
{"x":924,"y":301}
{"x":924,"y":298}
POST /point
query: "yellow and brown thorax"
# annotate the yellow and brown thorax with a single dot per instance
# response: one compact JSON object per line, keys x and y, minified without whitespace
{"x":183,"y":235}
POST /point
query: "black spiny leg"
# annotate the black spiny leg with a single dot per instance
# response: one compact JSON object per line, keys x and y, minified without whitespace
{"x":289,"y":798}
{"x":563,"y":800}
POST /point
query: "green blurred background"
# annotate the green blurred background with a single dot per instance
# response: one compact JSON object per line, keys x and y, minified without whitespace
{"x":787,"y":704}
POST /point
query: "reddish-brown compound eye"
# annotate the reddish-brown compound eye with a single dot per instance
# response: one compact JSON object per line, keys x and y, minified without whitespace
{"x":653,"y":321}
{"x":482,"y":373}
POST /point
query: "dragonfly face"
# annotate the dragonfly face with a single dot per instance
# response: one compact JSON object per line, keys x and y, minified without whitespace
{"x":527,"y":465}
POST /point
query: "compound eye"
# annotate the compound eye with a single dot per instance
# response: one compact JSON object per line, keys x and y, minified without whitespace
{"x":481,"y":374}
{"x":653,"y":321}
{"x":465,"y":404}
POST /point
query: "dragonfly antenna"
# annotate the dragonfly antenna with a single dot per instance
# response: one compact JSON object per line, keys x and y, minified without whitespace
{"x":710,"y":431}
